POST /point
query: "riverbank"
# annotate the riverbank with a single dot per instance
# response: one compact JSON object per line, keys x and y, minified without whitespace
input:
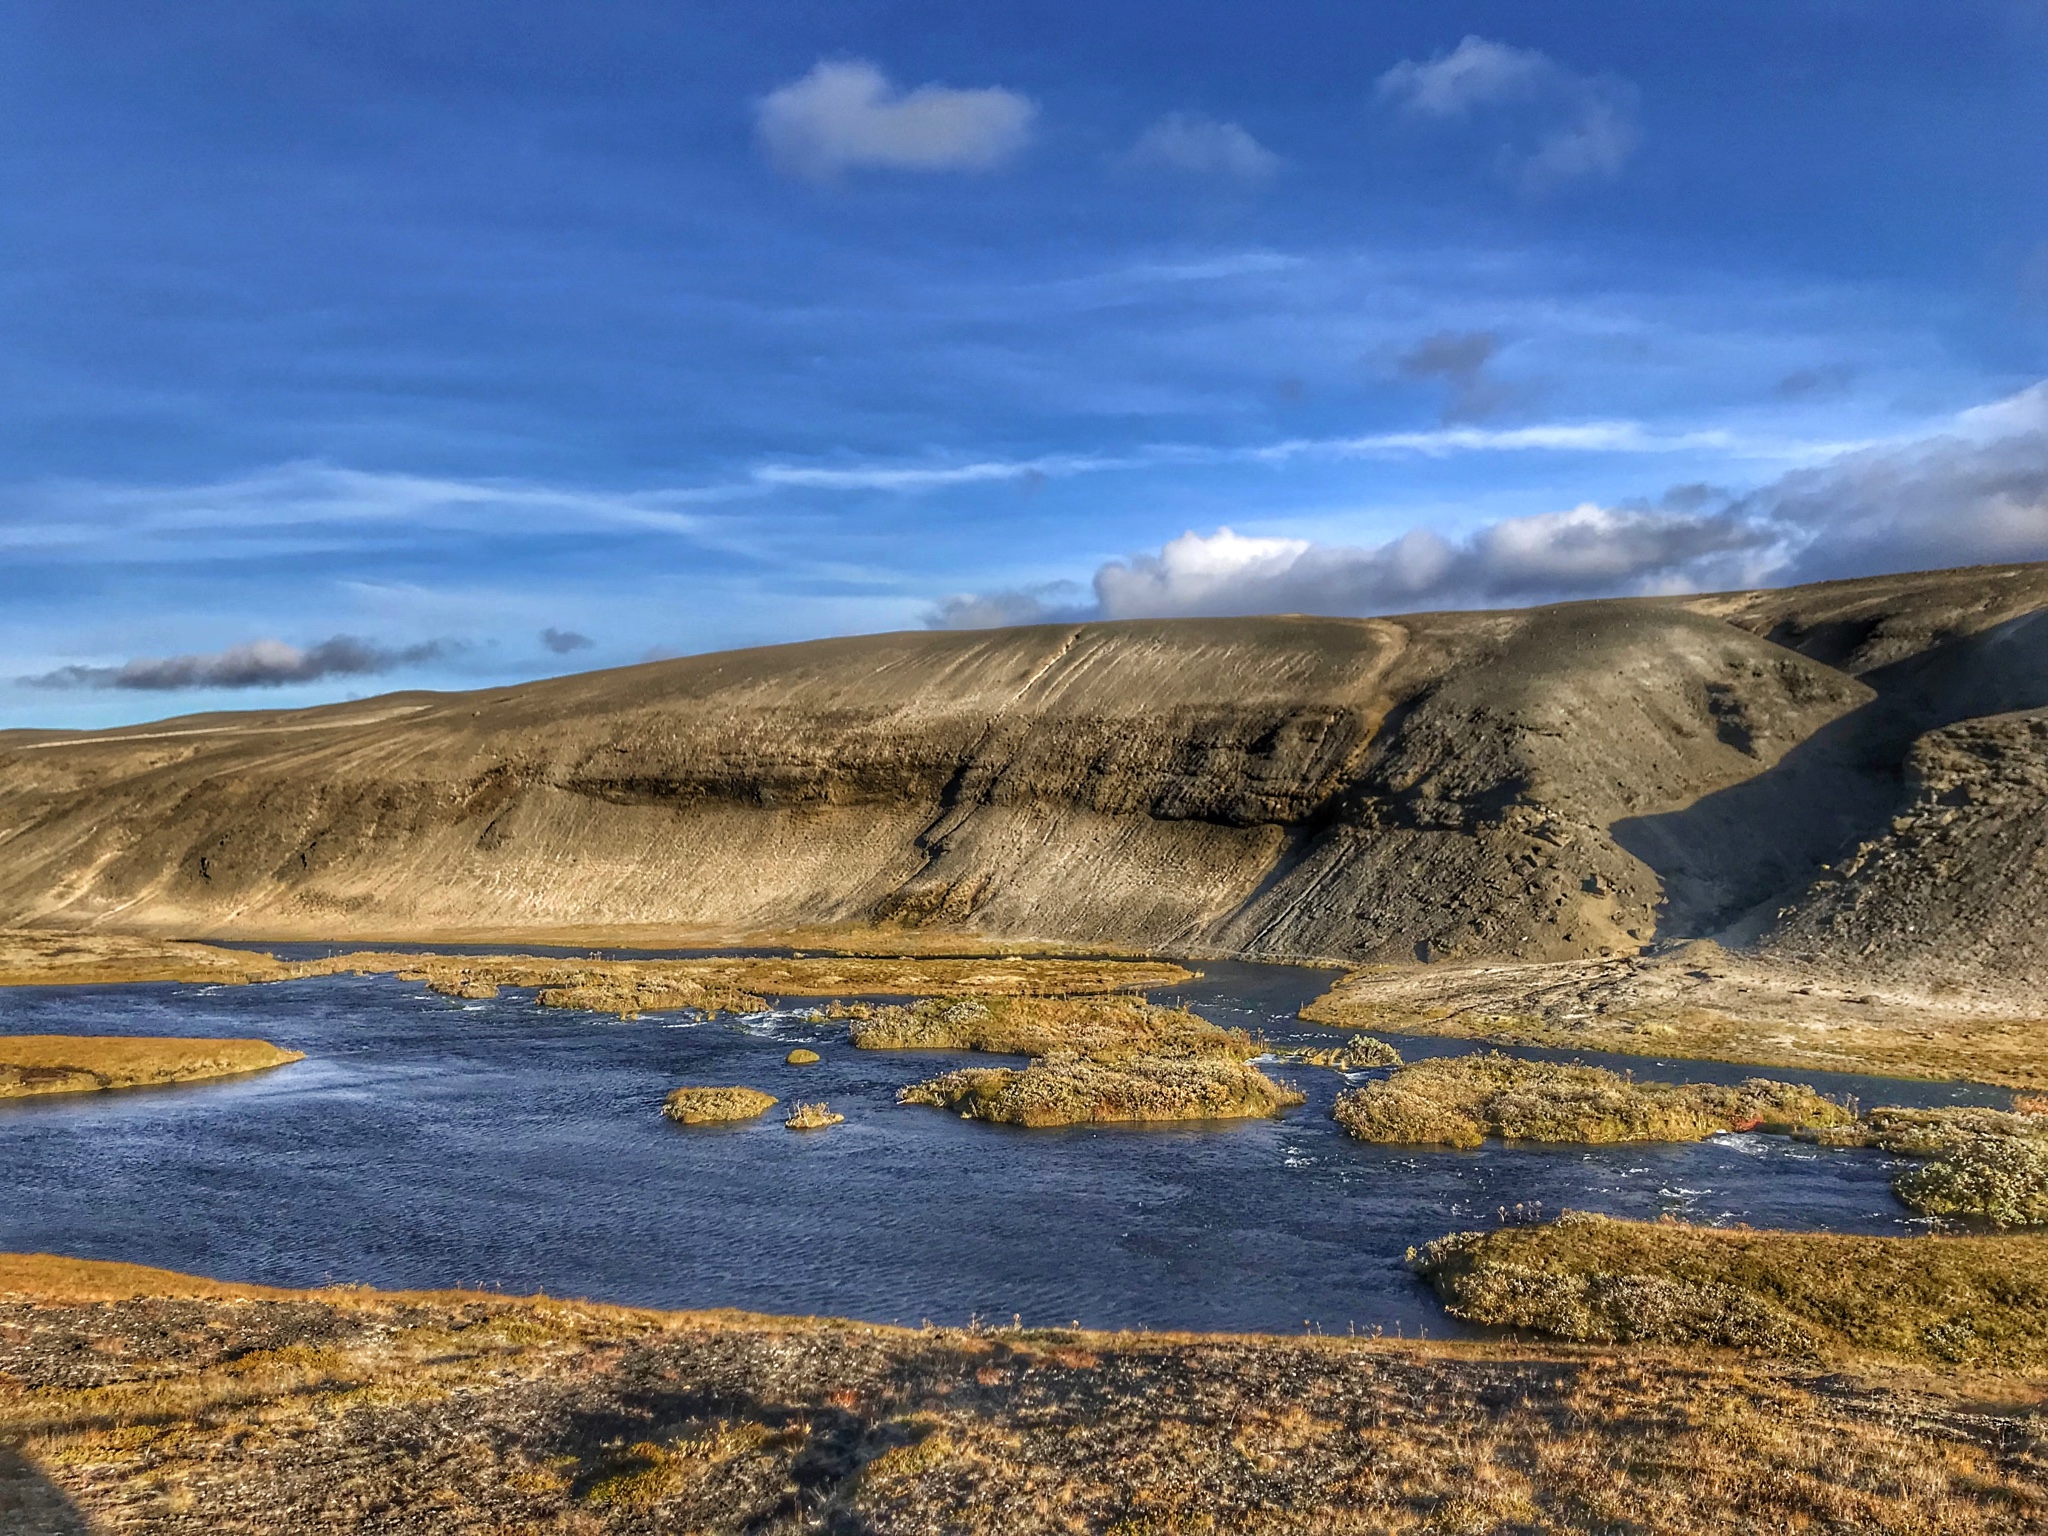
{"x":34,"y":1065}
{"x":177,"y":1405}
{"x":1701,"y":1002}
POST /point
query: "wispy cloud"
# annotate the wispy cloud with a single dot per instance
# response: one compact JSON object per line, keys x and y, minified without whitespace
{"x":255,"y":664}
{"x":1975,"y":493}
{"x":1580,"y":125}
{"x":845,"y":115}
{"x":1192,"y":144}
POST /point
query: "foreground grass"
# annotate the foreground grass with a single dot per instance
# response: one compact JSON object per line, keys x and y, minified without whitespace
{"x":1977,"y":1300}
{"x":40,"y":1064}
{"x":1704,"y":1003}
{"x":1459,"y":1101}
{"x":161,"y":1405}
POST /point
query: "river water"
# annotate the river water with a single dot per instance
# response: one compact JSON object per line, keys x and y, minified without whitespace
{"x":429,"y":1141}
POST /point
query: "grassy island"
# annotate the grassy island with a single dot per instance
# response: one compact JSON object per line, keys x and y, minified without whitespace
{"x":1459,"y":1101}
{"x":146,"y":1401}
{"x":39,"y":1064}
{"x":1983,"y":1165}
{"x":1069,"y":1089}
{"x":813,"y":1117}
{"x":1038,"y":1026}
{"x":716,"y":1106}
{"x":1981,"y":1300}
{"x":1097,"y":1059}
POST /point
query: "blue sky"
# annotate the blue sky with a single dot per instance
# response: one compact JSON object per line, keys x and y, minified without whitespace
{"x":345,"y":348}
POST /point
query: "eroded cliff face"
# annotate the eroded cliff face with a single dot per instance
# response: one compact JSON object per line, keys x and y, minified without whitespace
{"x":1546,"y":783}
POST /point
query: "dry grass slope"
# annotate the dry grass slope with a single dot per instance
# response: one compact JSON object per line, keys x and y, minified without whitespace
{"x":165,"y":1406}
{"x":40,"y":1064}
{"x":1979,"y":1300}
{"x":1459,"y":1101}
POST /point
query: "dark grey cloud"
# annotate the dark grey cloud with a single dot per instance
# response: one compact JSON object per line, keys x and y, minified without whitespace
{"x":256,"y":664}
{"x":1977,"y":495}
{"x":563,"y":641}
{"x":1460,"y":359}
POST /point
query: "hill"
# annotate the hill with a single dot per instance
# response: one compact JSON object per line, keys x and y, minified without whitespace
{"x":1853,"y":772}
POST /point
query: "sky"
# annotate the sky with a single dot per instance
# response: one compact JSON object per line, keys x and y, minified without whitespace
{"x":442,"y":344}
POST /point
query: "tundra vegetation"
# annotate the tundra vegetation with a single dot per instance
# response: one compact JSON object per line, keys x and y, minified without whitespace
{"x":712,"y":1106}
{"x":166,"y":1406}
{"x":1459,"y":1101}
{"x":1804,"y":1295}
{"x":1094,"y":1060}
{"x":40,"y":1064}
{"x":1983,"y":1164}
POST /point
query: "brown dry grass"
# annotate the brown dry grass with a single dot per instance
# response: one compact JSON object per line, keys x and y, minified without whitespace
{"x":39,"y":1064}
{"x":715,"y":1106}
{"x":1982,"y":1300}
{"x":1703,"y":1003}
{"x":191,"y":1409}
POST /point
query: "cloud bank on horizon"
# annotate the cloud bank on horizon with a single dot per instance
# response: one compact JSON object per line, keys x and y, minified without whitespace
{"x":1973,"y":496}
{"x":461,"y":343}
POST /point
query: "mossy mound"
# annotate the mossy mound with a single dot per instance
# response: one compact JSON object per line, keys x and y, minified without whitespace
{"x":802,"y":1057}
{"x":1981,"y":1300}
{"x":1070,"y":1089}
{"x":812,"y":1117}
{"x":1459,"y":1101}
{"x":714,"y":1106}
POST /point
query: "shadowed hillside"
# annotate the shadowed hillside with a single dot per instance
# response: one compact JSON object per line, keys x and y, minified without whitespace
{"x":1547,"y":783}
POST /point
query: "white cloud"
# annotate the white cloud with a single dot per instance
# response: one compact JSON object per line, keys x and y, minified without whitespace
{"x":846,"y":115}
{"x":1575,"y":126}
{"x":1476,"y":73}
{"x":1187,"y":141}
{"x":1975,"y":494}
